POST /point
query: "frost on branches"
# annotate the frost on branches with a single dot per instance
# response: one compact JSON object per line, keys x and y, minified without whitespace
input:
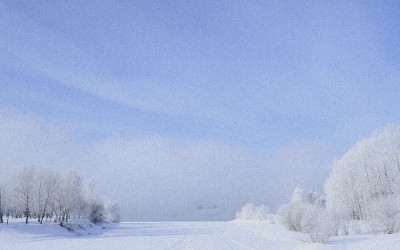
{"x":363,"y":189}
{"x":43,"y":195}
{"x":306,"y":213}
{"x":365,"y":182}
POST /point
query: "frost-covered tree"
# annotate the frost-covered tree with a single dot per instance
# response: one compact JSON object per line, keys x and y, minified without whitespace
{"x":40,"y":193}
{"x":68,"y":198}
{"x":9,"y":205}
{"x":23,"y":190}
{"x":367,"y":175}
{"x":47,"y":185}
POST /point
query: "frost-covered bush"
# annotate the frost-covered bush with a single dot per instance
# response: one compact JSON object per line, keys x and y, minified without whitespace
{"x":102,"y":210}
{"x":306,"y":213}
{"x":384,"y":214}
{"x":97,"y":212}
{"x":99,"y":209}
{"x":291,"y":214}
{"x":315,"y":222}
{"x":253,"y":212}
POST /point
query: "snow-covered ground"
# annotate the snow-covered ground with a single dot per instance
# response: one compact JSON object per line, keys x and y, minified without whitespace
{"x":178,"y":235}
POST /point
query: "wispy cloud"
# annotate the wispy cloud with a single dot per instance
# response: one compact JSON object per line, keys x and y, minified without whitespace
{"x":195,"y":92}
{"x":47,"y":52}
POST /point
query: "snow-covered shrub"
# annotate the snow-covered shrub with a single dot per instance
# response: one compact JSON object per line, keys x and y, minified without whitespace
{"x":306,"y":213}
{"x":315,"y":222}
{"x":102,"y":210}
{"x":384,"y":214}
{"x":97,"y":212}
{"x":253,"y":212}
{"x":291,"y":214}
{"x":98,"y":208}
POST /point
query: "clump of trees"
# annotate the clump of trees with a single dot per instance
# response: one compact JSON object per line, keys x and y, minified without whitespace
{"x":365,"y":182}
{"x":364,"y":185}
{"x":43,"y":195}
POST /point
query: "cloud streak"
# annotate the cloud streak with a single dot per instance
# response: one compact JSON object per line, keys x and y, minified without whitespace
{"x":47,"y":52}
{"x":199,"y":90}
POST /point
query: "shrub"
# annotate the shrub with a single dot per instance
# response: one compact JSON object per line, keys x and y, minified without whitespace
{"x":253,"y":212}
{"x":384,"y":214}
{"x":316,"y":224}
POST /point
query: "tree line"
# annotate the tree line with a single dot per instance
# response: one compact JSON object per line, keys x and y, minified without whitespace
{"x":44,"y":195}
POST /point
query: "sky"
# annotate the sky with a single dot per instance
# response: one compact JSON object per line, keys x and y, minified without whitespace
{"x":187,"y":110}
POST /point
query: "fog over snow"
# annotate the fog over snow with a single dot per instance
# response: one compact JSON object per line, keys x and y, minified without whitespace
{"x":188,"y":111}
{"x":156,"y":178}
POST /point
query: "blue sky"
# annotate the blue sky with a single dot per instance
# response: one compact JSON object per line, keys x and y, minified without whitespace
{"x":273,"y":78}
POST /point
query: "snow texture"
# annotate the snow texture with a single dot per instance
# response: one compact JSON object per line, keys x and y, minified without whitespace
{"x":178,"y":235}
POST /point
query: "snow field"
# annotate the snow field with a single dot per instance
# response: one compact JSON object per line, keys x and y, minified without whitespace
{"x":178,"y":235}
